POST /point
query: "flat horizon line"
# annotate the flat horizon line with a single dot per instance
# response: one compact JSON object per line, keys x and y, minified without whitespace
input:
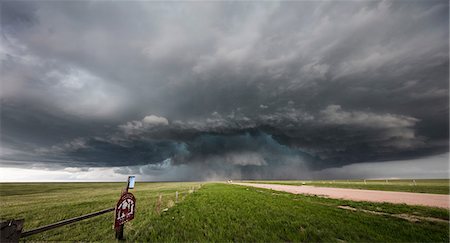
{"x":76,"y":181}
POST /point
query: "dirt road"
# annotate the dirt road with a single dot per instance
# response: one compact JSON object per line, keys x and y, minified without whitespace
{"x":424,"y":199}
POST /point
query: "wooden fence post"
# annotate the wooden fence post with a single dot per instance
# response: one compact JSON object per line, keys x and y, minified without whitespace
{"x":119,"y":232}
{"x":158,"y":204}
{"x":11,"y":230}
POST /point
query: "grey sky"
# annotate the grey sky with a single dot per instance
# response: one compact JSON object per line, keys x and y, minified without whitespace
{"x":243,"y":89}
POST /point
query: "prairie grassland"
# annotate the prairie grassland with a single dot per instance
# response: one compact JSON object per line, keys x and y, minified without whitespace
{"x":44,"y":203}
{"x":436,"y":186}
{"x":216,"y":212}
{"x":220,"y":212}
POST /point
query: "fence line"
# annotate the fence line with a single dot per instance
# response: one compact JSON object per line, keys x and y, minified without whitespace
{"x":64,"y":222}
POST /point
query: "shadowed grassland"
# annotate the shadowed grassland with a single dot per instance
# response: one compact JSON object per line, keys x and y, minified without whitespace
{"x":216,"y":212}
{"x":437,"y":186}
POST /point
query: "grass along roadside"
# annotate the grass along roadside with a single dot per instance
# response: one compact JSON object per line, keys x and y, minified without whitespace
{"x":222,"y":212}
{"x":436,"y":186}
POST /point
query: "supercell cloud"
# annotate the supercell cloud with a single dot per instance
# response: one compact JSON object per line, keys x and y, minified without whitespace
{"x":212,"y":90}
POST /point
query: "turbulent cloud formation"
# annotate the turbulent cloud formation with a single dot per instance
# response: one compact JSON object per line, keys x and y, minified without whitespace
{"x":210,"y":90}
{"x":146,"y":123}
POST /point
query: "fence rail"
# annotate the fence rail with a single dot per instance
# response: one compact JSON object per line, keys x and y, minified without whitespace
{"x":64,"y":222}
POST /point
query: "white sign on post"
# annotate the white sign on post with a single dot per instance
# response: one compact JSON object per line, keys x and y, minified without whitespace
{"x":131,"y":182}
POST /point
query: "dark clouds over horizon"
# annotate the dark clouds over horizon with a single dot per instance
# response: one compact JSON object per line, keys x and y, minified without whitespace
{"x":247,"y":89}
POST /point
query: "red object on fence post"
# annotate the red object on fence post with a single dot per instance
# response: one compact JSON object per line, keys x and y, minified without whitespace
{"x":125,"y":208}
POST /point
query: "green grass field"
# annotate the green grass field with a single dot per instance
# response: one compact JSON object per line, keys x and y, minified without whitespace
{"x":44,"y":203}
{"x":436,"y":186}
{"x":216,"y":212}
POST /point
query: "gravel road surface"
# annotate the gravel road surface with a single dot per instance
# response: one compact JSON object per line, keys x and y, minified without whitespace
{"x":424,"y":199}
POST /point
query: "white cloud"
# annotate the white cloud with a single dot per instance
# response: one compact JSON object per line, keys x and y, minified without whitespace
{"x":83,"y":93}
{"x":151,"y":121}
{"x":68,"y":174}
{"x":334,"y":114}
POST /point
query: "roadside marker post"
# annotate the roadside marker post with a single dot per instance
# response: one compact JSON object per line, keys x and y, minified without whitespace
{"x":125,"y":209}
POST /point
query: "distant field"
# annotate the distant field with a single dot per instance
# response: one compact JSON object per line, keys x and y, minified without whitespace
{"x":437,"y":186}
{"x":216,"y":212}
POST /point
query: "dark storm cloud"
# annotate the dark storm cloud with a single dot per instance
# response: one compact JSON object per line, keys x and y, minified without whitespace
{"x":248,"y":89}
